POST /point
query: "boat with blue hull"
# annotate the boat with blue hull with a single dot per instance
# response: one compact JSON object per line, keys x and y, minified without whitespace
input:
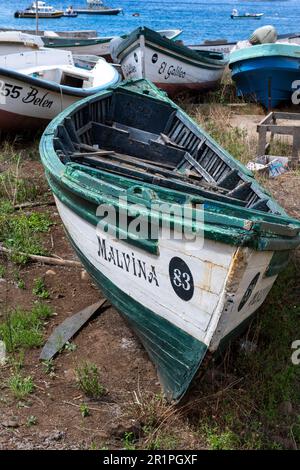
{"x":265,"y":73}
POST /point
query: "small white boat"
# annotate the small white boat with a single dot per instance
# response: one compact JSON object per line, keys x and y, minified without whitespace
{"x":36,"y":86}
{"x":171,"y":66}
{"x":246,"y":16}
{"x":97,"y":7}
{"x":41,"y":9}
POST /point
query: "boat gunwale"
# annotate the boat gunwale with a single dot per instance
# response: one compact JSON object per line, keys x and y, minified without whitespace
{"x":261,"y":51}
{"x":57,"y":170}
{"x":57,"y":88}
{"x":186,"y":54}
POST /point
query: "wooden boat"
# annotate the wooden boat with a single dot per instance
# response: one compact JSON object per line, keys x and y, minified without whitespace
{"x":185,"y":298}
{"x":93,"y":46}
{"x":42,"y":9}
{"x":36,"y":86}
{"x":171,"y":66}
{"x":15,"y":41}
{"x":265,"y":73}
{"x":225,"y":46}
{"x":96,"y":7}
{"x":78,"y":42}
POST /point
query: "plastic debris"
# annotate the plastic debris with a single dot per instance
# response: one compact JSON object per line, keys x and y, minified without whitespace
{"x":272,"y":165}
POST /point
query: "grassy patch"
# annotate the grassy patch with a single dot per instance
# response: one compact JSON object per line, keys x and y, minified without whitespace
{"x":24,"y":329}
{"x":20,"y":386}
{"x":2,"y":271}
{"x":22,"y":233}
{"x":89,"y":380}
{"x":254,"y":388}
{"x":16,"y":189}
{"x":84,"y":410}
{"x":31,"y":421}
{"x":39,"y":289}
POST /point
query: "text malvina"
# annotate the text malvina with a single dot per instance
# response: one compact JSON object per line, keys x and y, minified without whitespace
{"x":127,"y":262}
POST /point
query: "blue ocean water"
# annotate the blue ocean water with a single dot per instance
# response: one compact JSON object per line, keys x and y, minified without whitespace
{"x":199,"y":19}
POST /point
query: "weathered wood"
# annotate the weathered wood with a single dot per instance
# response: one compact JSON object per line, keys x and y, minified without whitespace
{"x":67,"y":329}
{"x":262,"y":137}
{"x":269,"y":124}
{"x":42,"y":259}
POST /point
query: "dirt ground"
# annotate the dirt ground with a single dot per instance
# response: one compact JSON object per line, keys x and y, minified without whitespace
{"x":126,"y":371}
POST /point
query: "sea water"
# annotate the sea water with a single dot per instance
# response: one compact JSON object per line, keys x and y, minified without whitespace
{"x":199,"y":20}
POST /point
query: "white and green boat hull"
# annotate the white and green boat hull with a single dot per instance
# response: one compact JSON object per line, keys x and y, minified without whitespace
{"x":185,"y":298}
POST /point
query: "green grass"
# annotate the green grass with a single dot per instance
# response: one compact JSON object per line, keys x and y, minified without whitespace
{"x":163,"y":440}
{"x":20,"y":386}
{"x":89,"y":380}
{"x":24,"y":329}
{"x":39,"y":289}
{"x":49,"y":366}
{"x":2,"y":271}
{"x":22,"y":233}
{"x":17,"y":189}
{"x":129,"y":441}
{"x":31,"y":421}
{"x":218,"y":439}
{"x":84,"y":410}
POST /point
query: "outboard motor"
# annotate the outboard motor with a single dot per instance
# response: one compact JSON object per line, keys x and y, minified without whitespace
{"x":264,"y":35}
{"x":113,"y":46}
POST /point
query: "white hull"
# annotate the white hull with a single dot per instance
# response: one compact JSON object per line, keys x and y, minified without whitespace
{"x":29,"y":101}
{"x":169,"y":73}
{"x":221,"y":275}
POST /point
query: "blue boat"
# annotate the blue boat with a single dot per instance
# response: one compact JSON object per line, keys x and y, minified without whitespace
{"x":265,"y":73}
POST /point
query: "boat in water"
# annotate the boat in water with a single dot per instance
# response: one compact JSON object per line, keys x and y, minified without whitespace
{"x":246,"y":16}
{"x":185,"y":283}
{"x":97,"y":7}
{"x":36,"y":86}
{"x":70,"y":13}
{"x":171,"y":66}
{"x":265,"y":73}
{"x":40,"y":9}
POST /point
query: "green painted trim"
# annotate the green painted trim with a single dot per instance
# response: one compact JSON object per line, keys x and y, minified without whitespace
{"x":57,"y":42}
{"x":224,"y":222}
{"x":176,"y":354}
{"x":278,"y":263}
{"x":265,"y":50}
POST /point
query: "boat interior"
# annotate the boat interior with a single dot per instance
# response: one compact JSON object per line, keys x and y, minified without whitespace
{"x":65,"y":75}
{"x":149,"y":141}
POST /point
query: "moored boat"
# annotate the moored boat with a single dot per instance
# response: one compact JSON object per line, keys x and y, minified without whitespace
{"x":70,"y":13}
{"x":41,"y":9}
{"x":265,"y":73}
{"x":36,"y":86}
{"x":246,"y":16}
{"x":171,"y":66}
{"x":132,"y":153}
{"x":97,"y":7}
